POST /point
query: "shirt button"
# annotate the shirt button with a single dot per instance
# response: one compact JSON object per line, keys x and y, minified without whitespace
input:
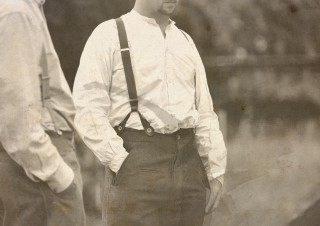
{"x":178,"y":137}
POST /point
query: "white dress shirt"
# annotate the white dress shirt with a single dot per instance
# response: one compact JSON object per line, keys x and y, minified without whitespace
{"x":171,"y":85}
{"x":24,"y":33}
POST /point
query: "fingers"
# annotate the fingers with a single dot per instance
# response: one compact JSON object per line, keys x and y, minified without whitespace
{"x":211,"y":197}
{"x":217,"y":200}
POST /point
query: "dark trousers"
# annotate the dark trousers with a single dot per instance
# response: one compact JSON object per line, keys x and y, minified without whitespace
{"x":162,"y":182}
{"x":26,"y":203}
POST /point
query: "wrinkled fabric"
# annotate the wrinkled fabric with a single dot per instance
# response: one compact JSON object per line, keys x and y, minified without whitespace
{"x":171,"y":85}
{"x":23,"y":118}
{"x":26,"y":203}
{"x":161,"y":183}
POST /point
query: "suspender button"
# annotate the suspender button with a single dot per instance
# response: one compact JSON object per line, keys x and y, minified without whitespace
{"x":149,"y":131}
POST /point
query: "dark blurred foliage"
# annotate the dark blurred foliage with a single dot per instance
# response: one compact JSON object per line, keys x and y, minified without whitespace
{"x":233,"y":31}
{"x":72,"y":21}
{"x":227,"y":31}
{"x":219,"y":28}
{"x":258,"y":26}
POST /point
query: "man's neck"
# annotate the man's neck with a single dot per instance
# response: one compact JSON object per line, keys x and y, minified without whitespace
{"x":162,"y":20}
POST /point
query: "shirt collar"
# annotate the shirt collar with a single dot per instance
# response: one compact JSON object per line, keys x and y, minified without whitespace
{"x":148,"y":19}
{"x":172,"y":22}
{"x":40,"y":2}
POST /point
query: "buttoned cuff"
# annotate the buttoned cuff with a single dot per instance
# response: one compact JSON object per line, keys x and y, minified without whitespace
{"x":220,"y":178}
{"x":117,"y":161}
{"x":61,"y":179}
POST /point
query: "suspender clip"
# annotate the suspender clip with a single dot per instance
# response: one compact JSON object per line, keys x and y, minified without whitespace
{"x":134,"y":104}
{"x":131,"y":85}
{"x":44,"y":78}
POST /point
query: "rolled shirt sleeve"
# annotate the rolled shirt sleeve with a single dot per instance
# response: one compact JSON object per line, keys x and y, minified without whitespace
{"x":209,"y":138}
{"x":21,"y":132}
{"x":92,"y":100}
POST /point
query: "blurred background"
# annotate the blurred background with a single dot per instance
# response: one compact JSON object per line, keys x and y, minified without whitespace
{"x":263,"y":68}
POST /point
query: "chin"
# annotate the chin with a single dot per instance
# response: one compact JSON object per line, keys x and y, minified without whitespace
{"x":167,"y":12}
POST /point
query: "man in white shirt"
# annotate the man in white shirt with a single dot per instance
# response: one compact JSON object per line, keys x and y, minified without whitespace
{"x":161,"y":137}
{"x":40,"y":181}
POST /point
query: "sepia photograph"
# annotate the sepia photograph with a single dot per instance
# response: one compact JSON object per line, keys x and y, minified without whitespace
{"x":159,"y":113}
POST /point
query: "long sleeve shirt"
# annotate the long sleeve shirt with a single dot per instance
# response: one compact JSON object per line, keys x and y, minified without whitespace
{"x":23,"y":118}
{"x":171,"y":85}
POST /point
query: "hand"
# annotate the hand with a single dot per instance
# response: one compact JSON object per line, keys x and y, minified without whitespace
{"x":69,"y":191}
{"x":213,"y":195}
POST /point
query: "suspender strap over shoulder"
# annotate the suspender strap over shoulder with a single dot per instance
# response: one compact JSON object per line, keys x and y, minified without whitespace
{"x":45,"y":91}
{"x":128,"y":71}
{"x":44,"y":79}
{"x":127,"y":65}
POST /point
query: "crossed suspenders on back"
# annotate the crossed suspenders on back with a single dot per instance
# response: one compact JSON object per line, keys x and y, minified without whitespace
{"x":132,"y":90}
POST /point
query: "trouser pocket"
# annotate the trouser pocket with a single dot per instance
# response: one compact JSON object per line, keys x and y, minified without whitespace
{"x":117,"y":175}
{"x":203,"y":172}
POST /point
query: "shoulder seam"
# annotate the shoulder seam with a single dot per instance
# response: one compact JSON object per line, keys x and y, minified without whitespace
{"x":13,"y":8}
{"x":13,"y":12}
{"x":187,"y":37}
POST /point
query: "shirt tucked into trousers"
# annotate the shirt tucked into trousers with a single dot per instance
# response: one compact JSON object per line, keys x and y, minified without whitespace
{"x":26,"y":203}
{"x":162,"y":182}
{"x":171,"y":85}
{"x":158,"y":180}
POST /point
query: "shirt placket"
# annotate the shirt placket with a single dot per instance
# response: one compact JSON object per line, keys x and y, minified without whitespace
{"x":168,"y":72}
{"x":164,"y":50}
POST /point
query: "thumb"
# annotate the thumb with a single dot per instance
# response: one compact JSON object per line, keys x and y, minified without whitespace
{"x":210,"y":201}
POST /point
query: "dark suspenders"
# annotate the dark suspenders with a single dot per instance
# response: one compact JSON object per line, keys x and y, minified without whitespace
{"x":45,"y":91}
{"x":131,"y":85}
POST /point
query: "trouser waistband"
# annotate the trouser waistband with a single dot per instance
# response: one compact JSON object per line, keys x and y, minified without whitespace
{"x":140,"y":135}
{"x":182,"y":132}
